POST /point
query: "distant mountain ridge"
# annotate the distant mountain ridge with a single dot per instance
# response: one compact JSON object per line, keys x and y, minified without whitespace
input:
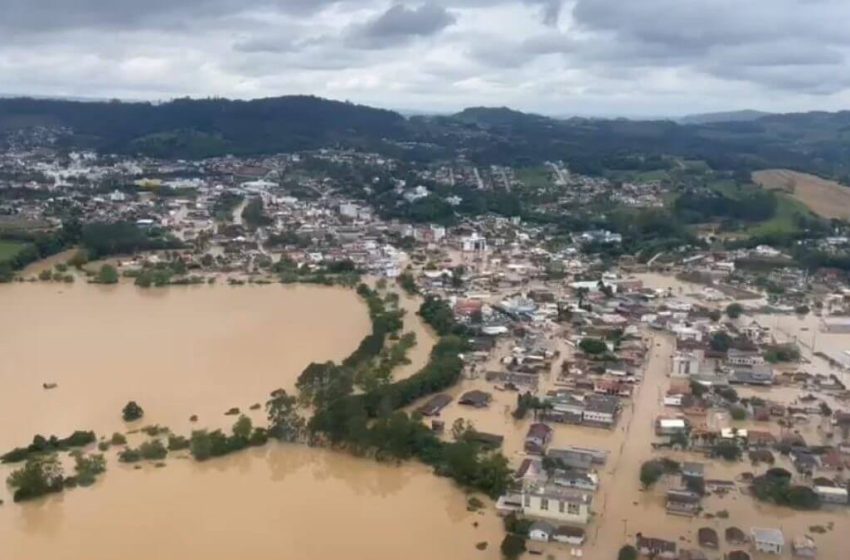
{"x":816,"y":142}
{"x":725,"y":116}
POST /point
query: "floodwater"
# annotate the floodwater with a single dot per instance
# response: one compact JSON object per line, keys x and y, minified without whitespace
{"x":265,"y":504}
{"x":425,"y":337}
{"x":202,"y":350}
{"x":178,"y":351}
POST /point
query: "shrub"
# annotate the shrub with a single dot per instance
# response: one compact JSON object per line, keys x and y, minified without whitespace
{"x":107,"y":275}
{"x":155,"y":430}
{"x":118,"y":439}
{"x":130,"y":455}
{"x":153,"y":450}
{"x":88,"y":467}
{"x":177,"y":443}
{"x":41,"y":445}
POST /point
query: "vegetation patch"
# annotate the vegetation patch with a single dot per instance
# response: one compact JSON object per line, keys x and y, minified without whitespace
{"x":41,"y":445}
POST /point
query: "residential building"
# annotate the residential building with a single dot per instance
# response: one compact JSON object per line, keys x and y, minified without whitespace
{"x":755,"y":375}
{"x":804,"y":547}
{"x":537,"y":439}
{"x":686,"y":364}
{"x":475,"y":398}
{"x":588,"y":482}
{"x":556,"y":504}
{"x":601,"y":410}
{"x":683,"y":502}
{"x":745,"y":358}
{"x":670,"y":426}
{"x":434,"y":405}
{"x":541,"y":531}
{"x":565,"y":408}
{"x":473,"y":243}
{"x":832,"y":495}
{"x":569,"y":535}
{"x":693,"y":470}
{"x":770,"y":541}
{"x":572,"y":459}
{"x":656,"y":548}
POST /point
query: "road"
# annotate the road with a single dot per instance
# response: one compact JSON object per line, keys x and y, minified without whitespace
{"x":621,"y":508}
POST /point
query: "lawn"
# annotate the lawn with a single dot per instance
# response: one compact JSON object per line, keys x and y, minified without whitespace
{"x":9,"y":249}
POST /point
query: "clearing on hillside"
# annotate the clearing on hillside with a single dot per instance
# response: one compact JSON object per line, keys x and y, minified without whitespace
{"x":825,"y":198}
{"x":10,"y":249}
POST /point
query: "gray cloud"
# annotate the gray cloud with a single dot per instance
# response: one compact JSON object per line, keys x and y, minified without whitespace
{"x":399,"y":24}
{"x":550,"y":9}
{"x":44,"y":15}
{"x":556,"y":56}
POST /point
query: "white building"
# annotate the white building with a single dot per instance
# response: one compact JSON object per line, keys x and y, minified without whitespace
{"x":348,"y":210}
{"x":770,"y":541}
{"x":746,"y":358}
{"x":686,"y":364}
{"x":556,"y":504}
{"x":684,"y":332}
{"x":541,"y":531}
{"x":473,"y":243}
{"x":830,"y":495}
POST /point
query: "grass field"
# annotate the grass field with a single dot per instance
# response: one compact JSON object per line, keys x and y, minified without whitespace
{"x":8,"y":249}
{"x":541,"y":176}
{"x":639,"y":176}
{"x":825,"y":198}
{"x":783,"y":222}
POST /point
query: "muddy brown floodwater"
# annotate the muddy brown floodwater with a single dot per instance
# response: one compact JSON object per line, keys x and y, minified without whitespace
{"x":202,"y":350}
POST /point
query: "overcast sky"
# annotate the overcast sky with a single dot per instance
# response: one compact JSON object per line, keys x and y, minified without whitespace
{"x":585,"y":57}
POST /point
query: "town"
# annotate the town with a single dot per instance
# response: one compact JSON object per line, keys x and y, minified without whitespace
{"x":684,"y":405}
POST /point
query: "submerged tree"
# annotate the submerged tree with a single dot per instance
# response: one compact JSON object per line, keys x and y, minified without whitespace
{"x":132,"y":411}
{"x":42,"y":474}
{"x":284,"y":421}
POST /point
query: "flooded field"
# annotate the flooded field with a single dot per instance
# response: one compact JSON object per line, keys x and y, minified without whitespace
{"x":203,"y":350}
{"x":265,"y":504}
{"x":177,"y":352}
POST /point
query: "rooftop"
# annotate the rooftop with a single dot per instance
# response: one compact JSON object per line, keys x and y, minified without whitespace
{"x":768,"y":535}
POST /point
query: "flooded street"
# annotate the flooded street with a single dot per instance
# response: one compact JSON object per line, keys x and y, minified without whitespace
{"x":624,"y":509}
{"x":203,"y":350}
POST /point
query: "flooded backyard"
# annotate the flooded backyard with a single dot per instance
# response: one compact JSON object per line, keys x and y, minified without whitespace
{"x":202,"y":350}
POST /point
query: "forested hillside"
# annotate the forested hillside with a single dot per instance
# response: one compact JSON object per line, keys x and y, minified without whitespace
{"x":814,"y":142}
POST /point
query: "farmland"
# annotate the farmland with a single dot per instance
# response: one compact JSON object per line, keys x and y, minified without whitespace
{"x":825,"y":198}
